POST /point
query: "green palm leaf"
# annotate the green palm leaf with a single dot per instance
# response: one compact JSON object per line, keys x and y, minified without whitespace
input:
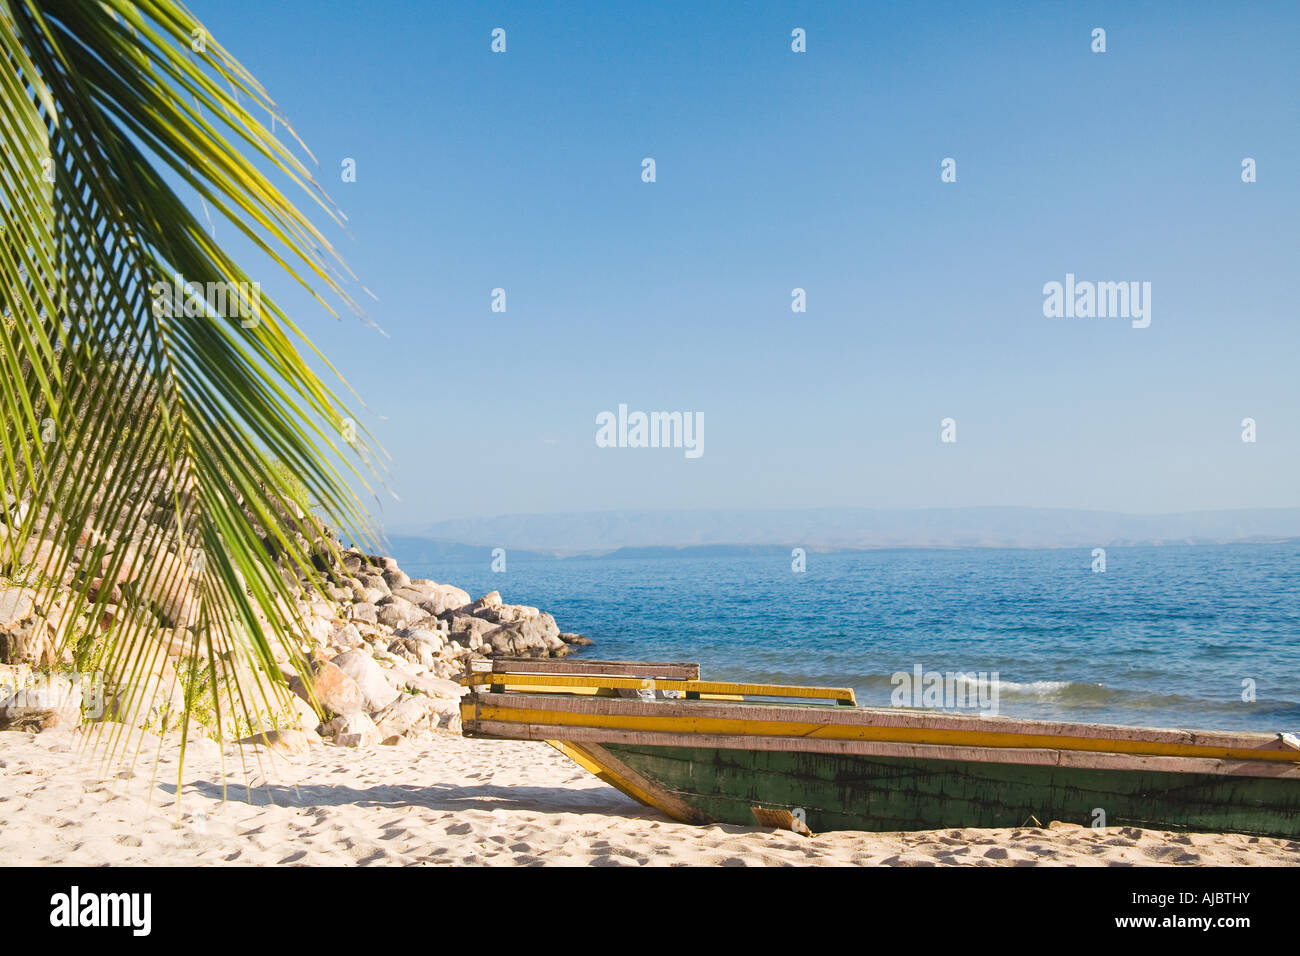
{"x":156,"y":442}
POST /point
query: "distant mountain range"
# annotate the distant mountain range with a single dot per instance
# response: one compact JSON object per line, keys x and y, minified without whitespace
{"x":651,"y":533}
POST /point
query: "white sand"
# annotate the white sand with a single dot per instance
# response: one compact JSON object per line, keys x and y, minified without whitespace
{"x":464,"y":802}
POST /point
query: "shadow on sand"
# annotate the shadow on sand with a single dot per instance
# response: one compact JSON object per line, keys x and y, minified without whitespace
{"x":442,"y":797}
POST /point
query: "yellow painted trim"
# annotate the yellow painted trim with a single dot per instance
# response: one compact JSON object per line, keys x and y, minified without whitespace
{"x":686,"y":724}
{"x":540,"y":689}
{"x":588,"y":763}
{"x":600,"y":692}
{"x":580,"y":683}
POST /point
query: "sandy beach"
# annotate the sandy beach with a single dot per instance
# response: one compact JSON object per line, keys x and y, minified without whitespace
{"x":455,"y":801}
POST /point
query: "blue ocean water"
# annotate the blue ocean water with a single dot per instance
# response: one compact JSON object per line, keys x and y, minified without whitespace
{"x":1165,"y":636}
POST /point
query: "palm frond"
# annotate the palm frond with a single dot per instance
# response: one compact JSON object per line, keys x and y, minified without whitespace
{"x":155,"y":441}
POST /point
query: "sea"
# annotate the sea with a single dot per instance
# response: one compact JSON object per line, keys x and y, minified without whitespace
{"x":1183,"y":636}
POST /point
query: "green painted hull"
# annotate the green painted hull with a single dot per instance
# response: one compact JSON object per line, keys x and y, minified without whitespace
{"x":839,"y":792}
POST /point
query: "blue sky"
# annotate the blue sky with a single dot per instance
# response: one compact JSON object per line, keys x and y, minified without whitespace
{"x":818,"y":170}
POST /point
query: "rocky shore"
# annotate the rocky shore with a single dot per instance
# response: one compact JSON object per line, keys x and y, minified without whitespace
{"x":388,"y":647}
{"x":384,"y":648}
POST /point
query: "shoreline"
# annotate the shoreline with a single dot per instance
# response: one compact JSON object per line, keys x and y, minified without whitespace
{"x":449,"y":800}
{"x":388,"y":779}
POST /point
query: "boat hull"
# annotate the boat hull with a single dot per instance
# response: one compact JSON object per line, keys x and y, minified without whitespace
{"x":720,"y":752}
{"x":856,"y":792}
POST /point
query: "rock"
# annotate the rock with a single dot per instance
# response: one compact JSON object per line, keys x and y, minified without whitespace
{"x":12,"y":677}
{"x":430,"y":631}
{"x":414,"y":594}
{"x":491,"y":599}
{"x":16,"y":604}
{"x":417,"y":643}
{"x":526,"y":638}
{"x":576,"y":640}
{"x":465,"y":627}
{"x":369,"y":676}
{"x":364,"y":611}
{"x":396,"y":579}
{"x":178,"y":642}
{"x":153,"y":700}
{"x":321,"y":619}
{"x":338,"y":693}
{"x":308,"y":719}
{"x":437,"y":687}
{"x":508,"y":640}
{"x":344,"y":634}
{"x":397,"y":612}
{"x":109,"y":591}
{"x":107,"y":617}
{"x":166,"y":582}
{"x":411,"y":651}
{"x":507,"y":613}
{"x":444,"y":598}
{"x":54,"y":704}
{"x":406,"y":716}
{"x":546,"y":625}
{"x":376,"y":581}
{"x":445,"y":689}
{"x":354,"y":730}
{"x":40,"y":554}
{"x":446,"y":669}
{"x":26,"y":637}
{"x":351,"y":562}
{"x":448,"y":712}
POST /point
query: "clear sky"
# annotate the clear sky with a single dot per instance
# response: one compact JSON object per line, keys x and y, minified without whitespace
{"x":818,"y":170}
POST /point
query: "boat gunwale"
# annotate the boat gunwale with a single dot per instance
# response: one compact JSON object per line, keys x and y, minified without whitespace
{"x":824,"y":721}
{"x":884,"y":749}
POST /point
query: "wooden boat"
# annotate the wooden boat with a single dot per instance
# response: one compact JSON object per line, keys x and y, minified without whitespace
{"x":810,"y":759}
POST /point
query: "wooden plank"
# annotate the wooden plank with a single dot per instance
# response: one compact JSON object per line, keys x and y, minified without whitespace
{"x":876,"y":724}
{"x":605,"y":766}
{"x":652,"y":669}
{"x":836,"y":792}
{"x":1048,"y":757}
{"x":576,"y":682}
{"x":781,"y":820}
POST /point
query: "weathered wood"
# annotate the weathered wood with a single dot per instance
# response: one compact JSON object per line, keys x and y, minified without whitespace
{"x":687,"y":716}
{"x":837,"y":792}
{"x":1038,"y":756}
{"x":780,"y":820}
{"x":891,"y":769}
{"x":635,"y":785}
{"x":694,"y":689}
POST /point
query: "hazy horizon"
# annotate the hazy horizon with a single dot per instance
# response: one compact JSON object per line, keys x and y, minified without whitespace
{"x":853,"y":528}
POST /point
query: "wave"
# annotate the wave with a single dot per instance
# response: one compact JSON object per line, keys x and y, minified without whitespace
{"x":1054,"y":697}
